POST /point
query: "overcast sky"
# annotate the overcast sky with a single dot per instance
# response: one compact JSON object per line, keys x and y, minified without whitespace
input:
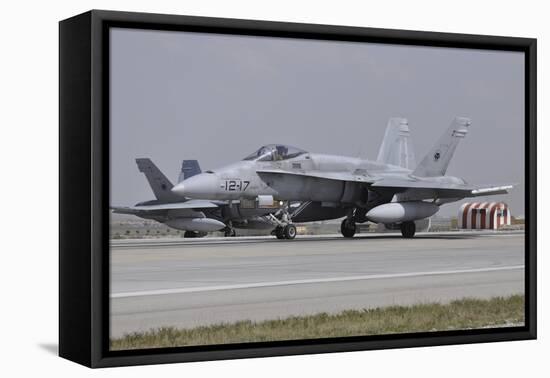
{"x":217,"y":98}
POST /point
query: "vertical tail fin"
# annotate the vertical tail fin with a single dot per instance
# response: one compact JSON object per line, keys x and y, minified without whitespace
{"x":160,"y":185}
{"x":435,"y":163}
{"x":396,"y":147}
{"x":189,"y":168}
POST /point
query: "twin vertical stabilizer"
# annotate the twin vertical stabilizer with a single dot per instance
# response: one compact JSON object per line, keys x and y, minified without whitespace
{"x":437,"y":160}
{"x":189,"y":168}
{"x":396,"y":147}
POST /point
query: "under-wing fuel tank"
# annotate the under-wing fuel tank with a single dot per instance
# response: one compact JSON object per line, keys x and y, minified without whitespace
{"x":396,"y":212}
{"x":195,"y":224}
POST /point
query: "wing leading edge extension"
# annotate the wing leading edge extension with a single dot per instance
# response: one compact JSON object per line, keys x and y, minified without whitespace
{"x":357,"y":176}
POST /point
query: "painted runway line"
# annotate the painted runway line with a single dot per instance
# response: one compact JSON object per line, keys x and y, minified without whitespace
{"x":308,"y":281}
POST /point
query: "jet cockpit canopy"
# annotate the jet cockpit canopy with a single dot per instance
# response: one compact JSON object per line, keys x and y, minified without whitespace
{"x":275,"y":152}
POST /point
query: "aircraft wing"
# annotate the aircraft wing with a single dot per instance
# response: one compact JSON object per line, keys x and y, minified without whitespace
{"x":425,"y":189}
{"x":188,"y":205}
{"x":490,"y":190}
{"x":357,"y":176}
{"x":440,"y":189}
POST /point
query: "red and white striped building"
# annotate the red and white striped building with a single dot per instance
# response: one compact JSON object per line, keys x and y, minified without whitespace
{"x":484,"y":215}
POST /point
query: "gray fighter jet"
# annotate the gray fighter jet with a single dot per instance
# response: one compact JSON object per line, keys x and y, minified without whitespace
{"x":387,"y":191}
{"x":197,"y":217}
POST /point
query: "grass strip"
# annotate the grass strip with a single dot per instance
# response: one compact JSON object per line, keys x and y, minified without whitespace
{"x":459,"y":314}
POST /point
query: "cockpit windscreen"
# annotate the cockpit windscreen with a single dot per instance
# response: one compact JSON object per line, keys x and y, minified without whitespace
{"x":275,"y":152}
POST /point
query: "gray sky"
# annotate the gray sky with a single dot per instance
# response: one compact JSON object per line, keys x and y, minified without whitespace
{"x":217,"y":98}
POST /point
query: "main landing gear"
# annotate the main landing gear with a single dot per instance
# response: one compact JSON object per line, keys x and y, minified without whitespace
{"x":408,"y":229}
{"x":194,"y":234}
{"x":348,"y":227}
{"x":229,"y":231}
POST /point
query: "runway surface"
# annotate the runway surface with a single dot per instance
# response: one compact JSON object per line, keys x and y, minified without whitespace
{"x":191,"y":282}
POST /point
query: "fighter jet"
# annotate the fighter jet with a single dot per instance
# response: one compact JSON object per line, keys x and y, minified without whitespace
{"x":387,"y":191}
{"x":170,"y":209}
{"x":197,"y":217}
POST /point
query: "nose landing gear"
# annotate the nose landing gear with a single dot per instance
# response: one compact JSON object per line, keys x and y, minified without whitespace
{"x":279,"y":232}
{"x":284,"y":229}
{"x":285,"y":232}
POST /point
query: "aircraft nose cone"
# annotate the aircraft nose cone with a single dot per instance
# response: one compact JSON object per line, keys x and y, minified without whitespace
{"x":201,"y":186}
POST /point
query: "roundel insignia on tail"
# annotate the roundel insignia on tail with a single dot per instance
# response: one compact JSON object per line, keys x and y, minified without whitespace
{"x":437,"y":155}
{"x":163,"y":186}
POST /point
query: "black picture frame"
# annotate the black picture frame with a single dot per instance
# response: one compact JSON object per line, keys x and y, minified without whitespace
{"x":84,"y":187}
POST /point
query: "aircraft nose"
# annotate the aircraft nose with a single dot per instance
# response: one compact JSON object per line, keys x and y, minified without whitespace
{"x":201,"y":186}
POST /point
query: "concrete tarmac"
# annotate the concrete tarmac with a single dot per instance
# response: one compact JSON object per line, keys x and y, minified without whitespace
{"x":193,"y":282}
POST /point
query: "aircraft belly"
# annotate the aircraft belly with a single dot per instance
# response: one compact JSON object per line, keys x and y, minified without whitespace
{"x":316,"y":212}
{"x":256,"y":224}
{"x":237,"y":212}
{"x":249,"y":213}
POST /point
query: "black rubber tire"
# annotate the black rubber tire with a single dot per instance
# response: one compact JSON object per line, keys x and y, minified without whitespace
{"x":290,"y":231}
{"x":348,"y":228}
{"x":408,"y":229}
{"x":280,"y":232}
{"x":190,"y":234}
{"x":230,"y":233}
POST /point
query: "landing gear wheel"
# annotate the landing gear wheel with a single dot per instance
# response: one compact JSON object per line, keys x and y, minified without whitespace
{"x":190,"y":234}
{"x":290,"y":231}
{"x":280,"y":232}
{"x":230,"y":232}
{"x":348,"y":228}
{"x":408,"y":229}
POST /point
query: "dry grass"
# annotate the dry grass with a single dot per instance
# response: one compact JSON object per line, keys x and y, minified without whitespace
{"x":459,"y":314}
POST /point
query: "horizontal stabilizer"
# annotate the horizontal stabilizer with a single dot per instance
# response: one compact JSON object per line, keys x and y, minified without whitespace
{"x":191,"y":204}
{"x":160,"y":185}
